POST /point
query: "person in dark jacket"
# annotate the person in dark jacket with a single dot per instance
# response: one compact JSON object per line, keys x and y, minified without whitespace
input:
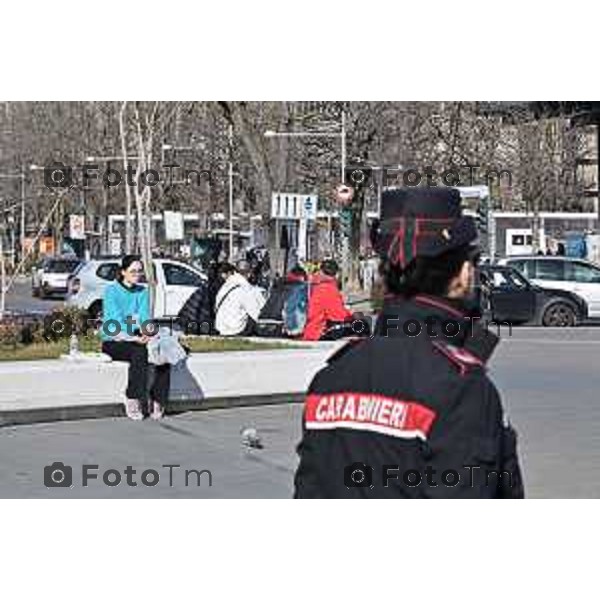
{"x":272,"y":318}
{"x":280,"y":290}
{"x":412,"y":413}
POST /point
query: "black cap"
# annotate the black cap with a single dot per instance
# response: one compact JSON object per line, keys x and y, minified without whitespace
{"x":423,"y":221}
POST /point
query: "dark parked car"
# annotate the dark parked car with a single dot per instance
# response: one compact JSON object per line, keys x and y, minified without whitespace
{"x":506,"y":295}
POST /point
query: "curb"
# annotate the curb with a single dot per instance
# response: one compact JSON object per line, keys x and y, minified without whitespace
{"x":10,"y":418}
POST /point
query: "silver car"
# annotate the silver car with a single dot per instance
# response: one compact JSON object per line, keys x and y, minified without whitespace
{"x":52,"y":274}
{"x":87,"y":283}
{"x":175,"y":283}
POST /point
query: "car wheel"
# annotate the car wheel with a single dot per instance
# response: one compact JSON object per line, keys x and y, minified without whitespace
{"x":43,"y":292}
{"x":559,"y":314}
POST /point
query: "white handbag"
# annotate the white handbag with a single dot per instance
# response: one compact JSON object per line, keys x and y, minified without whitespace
{"x":164,"y":348}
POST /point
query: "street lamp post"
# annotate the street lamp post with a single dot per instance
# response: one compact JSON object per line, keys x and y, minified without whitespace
{"x":174,"y":148}
{"x":2,"y":275}
{"x":230,"y":193}
{"x":22,"y":236}
{"x":20,"y":176}
{"x":343,"y":141}
{"x":327,"y":134}
{"x":42,"y":227}
{"x":229,"y":178}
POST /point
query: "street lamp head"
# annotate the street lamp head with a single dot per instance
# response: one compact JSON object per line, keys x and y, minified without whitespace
{"x":167,"y":146}
{"x":269,"y":133}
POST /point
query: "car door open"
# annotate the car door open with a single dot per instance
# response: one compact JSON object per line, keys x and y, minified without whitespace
{"x":511,"y":297}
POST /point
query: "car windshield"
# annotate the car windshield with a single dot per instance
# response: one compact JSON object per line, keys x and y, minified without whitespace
{"x":62,"y":266}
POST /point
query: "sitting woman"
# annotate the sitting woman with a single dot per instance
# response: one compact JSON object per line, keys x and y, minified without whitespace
{"x":238,"y":303}
{"x":125,"y":332}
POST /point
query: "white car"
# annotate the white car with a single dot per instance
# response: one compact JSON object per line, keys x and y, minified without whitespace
{"x":51,"y":276}
{"x":176,"y":282}
{"x":562,"y":273}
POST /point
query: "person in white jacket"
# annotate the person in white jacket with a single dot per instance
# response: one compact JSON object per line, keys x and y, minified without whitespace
{"x":238,"y":303}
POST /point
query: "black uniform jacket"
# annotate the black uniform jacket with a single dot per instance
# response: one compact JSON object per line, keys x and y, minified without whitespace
{"x":407,"y":415}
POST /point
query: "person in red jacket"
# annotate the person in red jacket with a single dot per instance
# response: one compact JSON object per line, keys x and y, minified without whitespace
{"x":325,"y":302}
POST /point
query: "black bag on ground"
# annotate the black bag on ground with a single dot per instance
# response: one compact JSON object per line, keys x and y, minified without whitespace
{"x":270,"y":320}
{"x":268,"y":328}
{"x":196,"y":317}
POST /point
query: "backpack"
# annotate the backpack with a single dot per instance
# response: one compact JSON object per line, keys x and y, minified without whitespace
{"x":295,"y":310}
{"x":196,"y":316}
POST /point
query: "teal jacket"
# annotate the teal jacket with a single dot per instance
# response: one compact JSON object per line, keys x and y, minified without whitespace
{"x":119,"y":303}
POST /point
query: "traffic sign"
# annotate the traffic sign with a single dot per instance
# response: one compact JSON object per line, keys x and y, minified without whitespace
{"x":174,"y":229}
{"x":294,"y":206}
{"x":77,"y":227}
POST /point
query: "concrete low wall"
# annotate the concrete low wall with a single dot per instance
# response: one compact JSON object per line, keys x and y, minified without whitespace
{"x":48,"y":387}
{"x":58,"y":389}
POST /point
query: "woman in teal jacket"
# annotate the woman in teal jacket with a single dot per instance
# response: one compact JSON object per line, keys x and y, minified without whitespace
{"x":126,"y":329}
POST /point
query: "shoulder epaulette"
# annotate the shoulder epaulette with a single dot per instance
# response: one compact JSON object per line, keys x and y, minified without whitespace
{"x":459,"y":357}
{"x":349,"y":345}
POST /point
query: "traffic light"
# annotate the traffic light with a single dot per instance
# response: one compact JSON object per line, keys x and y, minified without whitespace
{"x":483,"y":216}
{"x":486,"y":226}
{"x":345,"y":216}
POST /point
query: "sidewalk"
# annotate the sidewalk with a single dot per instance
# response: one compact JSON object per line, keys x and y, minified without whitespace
{"x":51,"y":390}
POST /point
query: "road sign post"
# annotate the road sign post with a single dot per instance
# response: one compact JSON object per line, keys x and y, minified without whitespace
{"x":344,"y":197}
{"x":295,"y":207}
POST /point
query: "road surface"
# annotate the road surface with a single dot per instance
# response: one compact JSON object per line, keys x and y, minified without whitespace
{"x":550,"y":389}
{"x":19,"y":298}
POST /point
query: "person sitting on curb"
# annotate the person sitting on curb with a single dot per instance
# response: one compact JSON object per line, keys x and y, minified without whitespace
{"x":125,"y":335}
{"x":325,"y":303}
{"x":238,"y":303}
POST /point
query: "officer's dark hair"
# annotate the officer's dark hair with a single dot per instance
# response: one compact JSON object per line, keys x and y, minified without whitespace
{"x":427,"y":275}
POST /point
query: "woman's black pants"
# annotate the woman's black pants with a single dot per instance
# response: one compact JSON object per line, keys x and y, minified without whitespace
{"x":137,"y":357}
